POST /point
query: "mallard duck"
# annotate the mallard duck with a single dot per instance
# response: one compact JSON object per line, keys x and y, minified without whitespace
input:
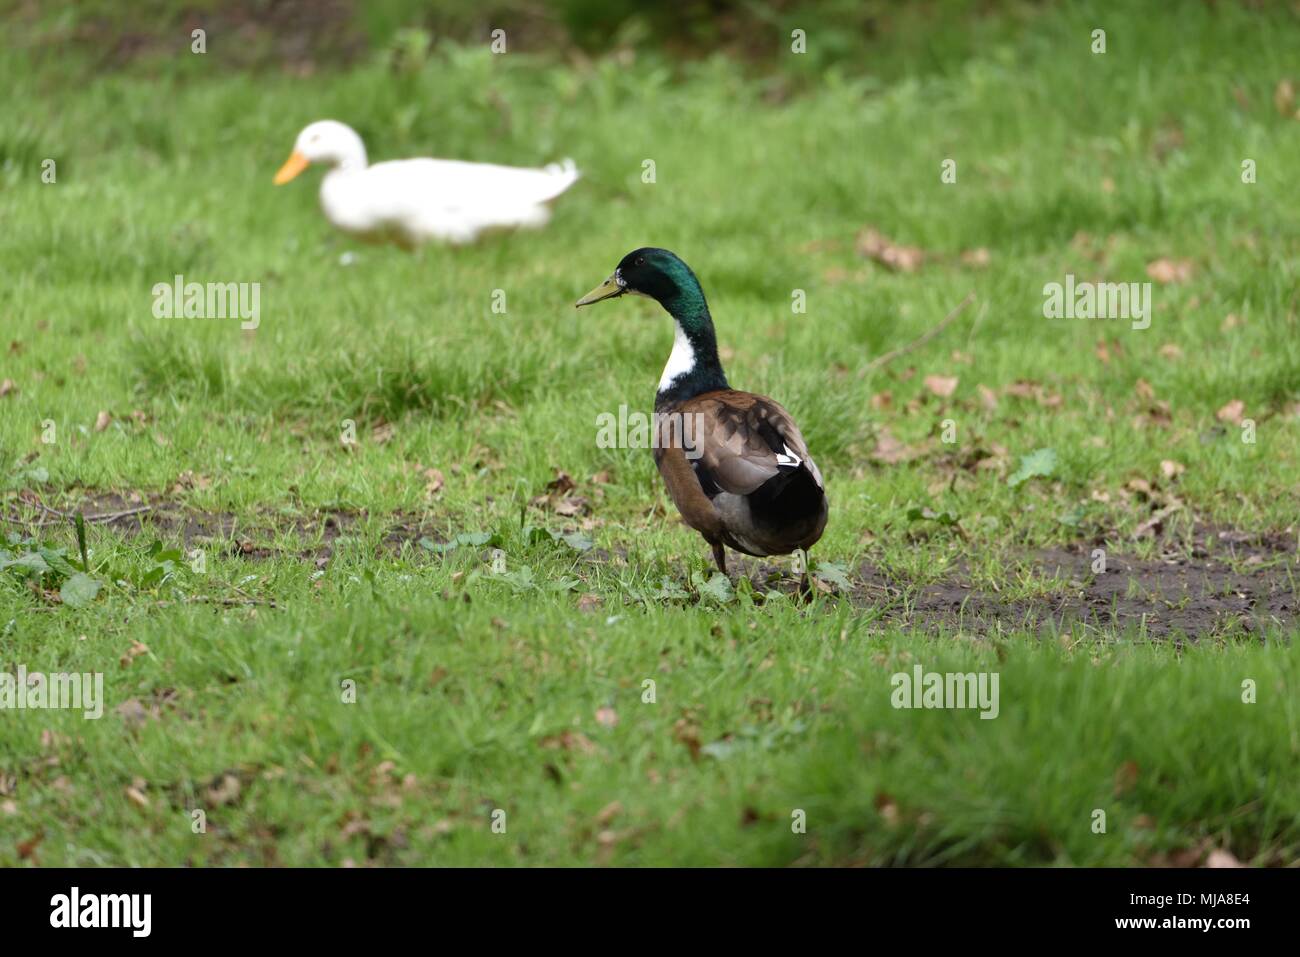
{"x":412,"y":201}
{"x":735,"y":464}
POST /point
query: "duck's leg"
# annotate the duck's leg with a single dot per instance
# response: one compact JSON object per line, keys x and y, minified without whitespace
{"x":720,"y":556}
{"x":805,"y":583}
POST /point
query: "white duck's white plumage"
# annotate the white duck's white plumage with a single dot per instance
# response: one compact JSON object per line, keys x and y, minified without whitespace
{"x":413,"y":201}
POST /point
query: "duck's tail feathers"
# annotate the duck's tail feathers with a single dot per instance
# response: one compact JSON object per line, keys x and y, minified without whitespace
{"x":563,"y":174}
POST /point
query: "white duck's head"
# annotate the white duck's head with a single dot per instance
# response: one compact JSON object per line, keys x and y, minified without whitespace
{"x":325,"y":141}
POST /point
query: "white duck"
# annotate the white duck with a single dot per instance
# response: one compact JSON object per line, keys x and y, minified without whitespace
{"x":412,"y":201}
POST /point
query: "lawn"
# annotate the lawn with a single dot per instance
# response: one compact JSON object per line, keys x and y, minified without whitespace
{"x":371,"y":592}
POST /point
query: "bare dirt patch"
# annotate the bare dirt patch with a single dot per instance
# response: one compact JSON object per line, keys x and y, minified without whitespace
{"x":1218,"y":581}
{"x":312,"y":536}
{"x":1224,"y":581}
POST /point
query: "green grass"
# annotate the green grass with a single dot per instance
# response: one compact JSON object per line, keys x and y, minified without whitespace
{"x":478,"y":691}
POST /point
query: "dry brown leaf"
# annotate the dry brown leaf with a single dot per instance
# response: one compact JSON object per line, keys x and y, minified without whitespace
{"x":561,"y":484}
{"x":1166,"y":271}
{"x":137,"y":649}
{"x":1126,"y":777}
{"x":569,"y":506}
{"x":433,"y":481}
{"x":1231,"y":321}
{"x":610,"y":811}
{"x":27,"y":848}
{"x":382,"y":432}
{"x":976,"y":258}
{"x":7,"y":387}
{"x":941,"y":385}
{"x":1222,"y":858}
{"x":1171,"y":469}
{"x":188,"y":480}
{"x":1171,"y":351}
{"x":568,"y":740}
{"x":223,"y":790}
{"x":874,"y":245}
{"x":1233,"y":412}
{"x":103,"y":420}
{"x":889,"y":450}
{"x":687,"y":732}
{"x":887,"y":808}
{"x":137,"y":796}
{"x":133,"y":712}
{"x":606,"y":717}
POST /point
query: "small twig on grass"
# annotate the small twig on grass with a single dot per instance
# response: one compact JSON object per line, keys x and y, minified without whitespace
{"x":71,"y":516}
{"x":114,"y":516}
{"x":915,"y":344}
{"x":26,"y":523}
{"x":208,"y":600}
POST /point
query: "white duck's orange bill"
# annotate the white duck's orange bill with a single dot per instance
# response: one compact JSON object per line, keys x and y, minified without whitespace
{"x":294,"y":165}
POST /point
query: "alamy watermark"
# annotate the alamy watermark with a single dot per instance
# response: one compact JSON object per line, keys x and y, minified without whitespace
{"x":946,"y":689}
{"x":214,"y":300}
{"x":660,"y":430}
{"x":130,"y":911}
{"x":38,"y":691}
{"x":1098,"y":300}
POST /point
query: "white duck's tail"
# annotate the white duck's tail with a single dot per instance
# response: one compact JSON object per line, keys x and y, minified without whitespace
{"x":562,"y":175}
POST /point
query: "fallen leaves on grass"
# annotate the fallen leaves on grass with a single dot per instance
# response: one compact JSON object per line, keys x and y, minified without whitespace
{"x":137,"y":649}
{"x":189,"y":481}
{"x":941,"y":385}
{"x":559,"y":498}
{"x":103,"y":420}
{"x":1232,"y":413}
{"x":1126,"y":777}
{"x":1166,"y":271}
{"x":27,"y":849}
{"x":876,"y":246}
{"x":1033,"y":391}
{"x":1222,"y":858}
{"x":223,"y":789}
{"x":687,"y":732}
{"x":7,"y":387}
{"x":434,"y":481}
{"x":610,"y":811}
{"x":887,"y":808}
{"x":568,"y":740}
{"x":890,"y":451}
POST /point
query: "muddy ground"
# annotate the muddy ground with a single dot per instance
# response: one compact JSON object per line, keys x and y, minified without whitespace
{"x":1219,"y":581}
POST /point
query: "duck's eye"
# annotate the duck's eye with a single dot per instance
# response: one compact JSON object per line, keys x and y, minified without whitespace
{"x":640,"y":260}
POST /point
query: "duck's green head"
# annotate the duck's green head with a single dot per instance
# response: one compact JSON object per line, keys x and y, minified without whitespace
{"x":656,"y":273}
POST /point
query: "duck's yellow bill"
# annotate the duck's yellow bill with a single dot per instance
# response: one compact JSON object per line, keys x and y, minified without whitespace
{"x":294,"y":165}
{"x":606,"y":290}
